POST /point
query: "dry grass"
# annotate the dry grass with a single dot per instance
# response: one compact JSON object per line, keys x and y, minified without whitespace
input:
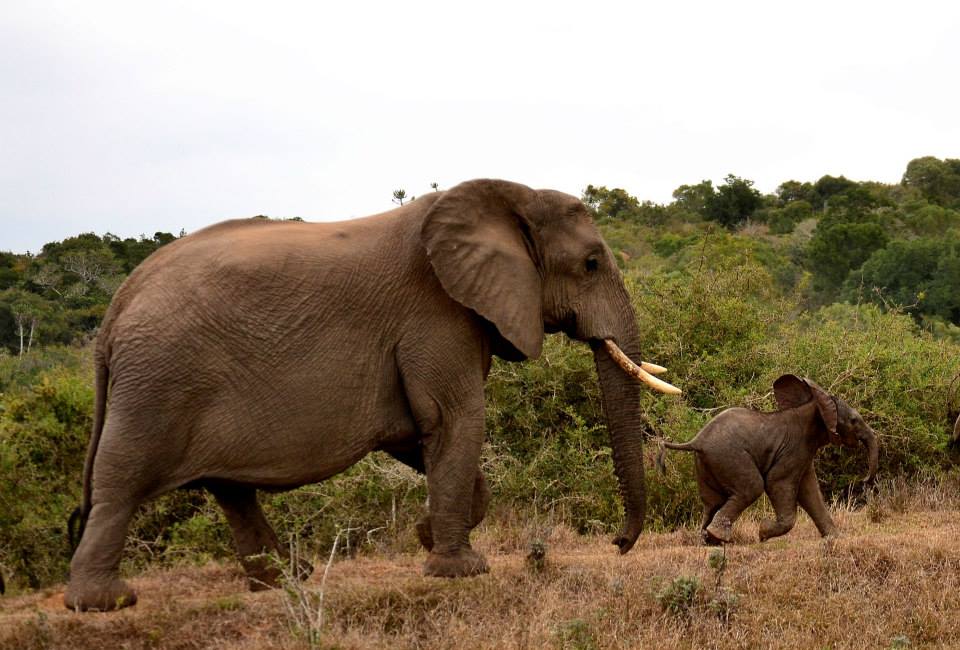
{"x":892,"y":578}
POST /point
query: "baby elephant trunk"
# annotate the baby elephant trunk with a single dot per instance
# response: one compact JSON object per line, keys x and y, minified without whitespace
{"x":869,"y":439}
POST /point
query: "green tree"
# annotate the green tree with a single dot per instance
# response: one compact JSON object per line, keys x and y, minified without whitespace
{"x":839,"y":248}
{"x":783,"y":220}
{"x":789,"y":191}
{"x":694,"y":197}
{"x":922,"y":275}
{"x":8,"y":271}
{"x":937,"y":180}
{"x":828,"y":187}
{"x":928,"y":220}
{"x":733,"y":202}
{"x":612,"y":204}
{"x":24,"y":312}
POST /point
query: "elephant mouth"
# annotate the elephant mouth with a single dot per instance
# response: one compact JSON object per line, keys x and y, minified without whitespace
{"x":644,"y":372}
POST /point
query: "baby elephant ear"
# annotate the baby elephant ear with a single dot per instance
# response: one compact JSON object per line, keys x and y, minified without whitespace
{"x":826,"y":405}
{"x":791,"y":392}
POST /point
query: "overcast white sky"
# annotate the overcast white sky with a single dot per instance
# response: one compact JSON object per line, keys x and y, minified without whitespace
{"x":132,"y":117}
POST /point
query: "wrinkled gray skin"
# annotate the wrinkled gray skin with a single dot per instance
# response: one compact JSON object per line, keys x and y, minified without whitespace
{"x":741,"y":453}
{"x":267,"y":355}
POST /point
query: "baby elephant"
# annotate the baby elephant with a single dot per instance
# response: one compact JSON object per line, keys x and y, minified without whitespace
{"x":742,"y":453}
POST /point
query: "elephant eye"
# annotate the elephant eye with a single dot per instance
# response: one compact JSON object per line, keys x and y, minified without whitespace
{"x":592,"y":264}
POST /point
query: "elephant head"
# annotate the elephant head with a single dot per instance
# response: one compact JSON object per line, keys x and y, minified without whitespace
{"x":532,"y":261}
{"x":843,"y":424}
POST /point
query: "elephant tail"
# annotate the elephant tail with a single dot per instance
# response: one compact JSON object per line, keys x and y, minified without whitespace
{"x":666,"y":444}
{"x":78,"y":518}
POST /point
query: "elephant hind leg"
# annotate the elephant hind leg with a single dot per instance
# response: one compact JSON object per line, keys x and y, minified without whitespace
{"x":712,"y":501}
{"x":254,"y":538}
{"x":95,"y":583}
{"x":721,"y":526}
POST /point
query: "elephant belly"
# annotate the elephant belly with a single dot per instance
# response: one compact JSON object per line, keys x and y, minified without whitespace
{"x":312,"y":443}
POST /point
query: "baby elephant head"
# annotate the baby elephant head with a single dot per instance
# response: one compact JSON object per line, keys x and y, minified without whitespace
{"x":842,"y":422}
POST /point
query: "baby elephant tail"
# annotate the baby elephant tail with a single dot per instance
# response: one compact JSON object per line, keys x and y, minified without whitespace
{"x":664,"y":445}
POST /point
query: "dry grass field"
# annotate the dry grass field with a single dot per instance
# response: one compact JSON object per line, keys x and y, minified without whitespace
{"x":892,"y":580}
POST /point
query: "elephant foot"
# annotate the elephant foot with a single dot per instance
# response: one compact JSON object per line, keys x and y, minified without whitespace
{"x":461,"y":564}
{"x":708,"y":539}
{"x":425,"y":532}
{"x":721,"y":529}
{"x":771,"y":529}
{"x":268,"y":572}
{"x":91,"y":597}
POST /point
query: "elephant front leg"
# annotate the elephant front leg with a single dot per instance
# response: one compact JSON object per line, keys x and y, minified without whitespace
{"x":783,"y":497}
{"x":453,"y":458}
{"x":478,"y":510}
{"x":412,"y":457}
{"x":811,"y":500}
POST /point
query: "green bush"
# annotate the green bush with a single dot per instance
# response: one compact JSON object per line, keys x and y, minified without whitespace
{"x":43,"y":434}
{"x":724,"y":329}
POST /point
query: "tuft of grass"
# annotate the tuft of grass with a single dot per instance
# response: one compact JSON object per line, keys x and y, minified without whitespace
{"x":575,"y":634}
{"x":679,"y":595}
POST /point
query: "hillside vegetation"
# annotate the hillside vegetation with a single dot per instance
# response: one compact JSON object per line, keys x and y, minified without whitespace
{"x":854,"y":284}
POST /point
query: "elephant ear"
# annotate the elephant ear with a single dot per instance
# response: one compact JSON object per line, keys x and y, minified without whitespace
{"x":480,"y":245}
{"x":827,"y":407}
{"x":790,"y":392}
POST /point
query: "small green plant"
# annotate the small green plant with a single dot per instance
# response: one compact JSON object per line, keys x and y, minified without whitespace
{"x":229,"y":603}
{"x":576,"y":635}
{"x":900,"y":641}
{"x":718,"y":562}
{"x":537,"y":557}
{"x":723,"y":604}
{"x":876,"y":512}
{"x":724,"y":601}
{"x":679,"y":596}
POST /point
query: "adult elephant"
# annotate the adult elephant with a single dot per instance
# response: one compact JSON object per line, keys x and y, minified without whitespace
{"x":256,"y":354}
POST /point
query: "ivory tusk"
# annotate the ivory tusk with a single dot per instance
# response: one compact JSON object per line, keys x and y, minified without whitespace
{"x":652,"y":368}
{"x":638,"y":372}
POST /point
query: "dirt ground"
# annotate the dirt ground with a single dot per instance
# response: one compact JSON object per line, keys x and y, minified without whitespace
{"x":891,"y":580}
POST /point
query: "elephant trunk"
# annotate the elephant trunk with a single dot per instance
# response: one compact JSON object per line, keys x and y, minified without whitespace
{"x":621,"y":406}
{"x":869,"y":440}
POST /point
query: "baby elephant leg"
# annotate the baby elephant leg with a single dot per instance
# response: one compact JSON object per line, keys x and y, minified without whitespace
{"x":742,"y":485}
{"x":721,"y":528}
{"x":783,"y":497}
{"x":811,"y":500}
{"x":712,"y":501}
